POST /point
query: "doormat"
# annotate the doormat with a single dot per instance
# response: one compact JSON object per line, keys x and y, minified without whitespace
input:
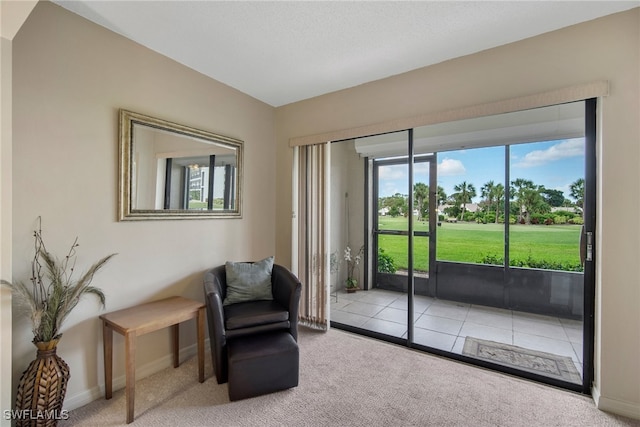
{"x":537,"y":362}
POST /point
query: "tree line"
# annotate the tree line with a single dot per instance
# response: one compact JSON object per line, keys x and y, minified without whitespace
{"x":531,"y":202}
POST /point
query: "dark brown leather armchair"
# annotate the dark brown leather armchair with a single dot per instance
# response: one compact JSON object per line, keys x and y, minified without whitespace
{"x":246,"y":318}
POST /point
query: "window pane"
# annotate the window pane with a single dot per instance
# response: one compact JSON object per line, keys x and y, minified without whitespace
{"x":394,"y":250}
{"x":471,"y":205}
{"x":198,"y":187}
{"x":392,"y":203}
{"x":547,"y":187}
{"x":421,"y":254}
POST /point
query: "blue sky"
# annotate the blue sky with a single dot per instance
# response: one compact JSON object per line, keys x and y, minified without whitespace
{"x":554,"y":164}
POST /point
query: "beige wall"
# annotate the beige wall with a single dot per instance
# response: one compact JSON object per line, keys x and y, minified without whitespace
{"x":5,"y":224}
{"x":70,"y":77}
{"x":607,"y":48}
{"x":12,"y":16}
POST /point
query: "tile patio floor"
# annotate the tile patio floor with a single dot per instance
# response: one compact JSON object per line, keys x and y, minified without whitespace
{"x":445,"y":324}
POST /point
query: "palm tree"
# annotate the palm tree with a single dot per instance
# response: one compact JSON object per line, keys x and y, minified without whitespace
{"x":498,"y":194}
{"x":441,"y":198}
{"x":465,"y":192}
{"x":577,"y":191}
{"x":487,"y":193}
{"x":532,"y":201}
{"x":520,"y":187}
{"x":421,"y":193}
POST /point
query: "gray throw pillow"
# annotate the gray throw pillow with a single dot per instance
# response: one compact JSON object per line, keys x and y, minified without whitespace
{"x":248,"y":281}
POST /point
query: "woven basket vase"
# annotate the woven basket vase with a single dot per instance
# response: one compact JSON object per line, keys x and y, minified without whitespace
{"x":42,"y":387}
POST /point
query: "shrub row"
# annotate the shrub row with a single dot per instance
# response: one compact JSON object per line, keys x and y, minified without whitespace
{"x":529,"y":262}
{"x":547,"y":219}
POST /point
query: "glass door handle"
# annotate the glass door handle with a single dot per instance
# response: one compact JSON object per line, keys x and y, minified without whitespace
{"x":589,"y":256}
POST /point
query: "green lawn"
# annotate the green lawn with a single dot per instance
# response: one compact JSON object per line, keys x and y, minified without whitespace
{"x":198,"y":205}
{"x":471,"y":242}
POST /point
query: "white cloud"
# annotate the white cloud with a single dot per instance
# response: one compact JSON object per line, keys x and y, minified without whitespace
{"x":451,"y":167}
{"x":421,"y":168}
{"x":393,"y":172}
{"x":392,"y":189}
{"x":562,"y":150}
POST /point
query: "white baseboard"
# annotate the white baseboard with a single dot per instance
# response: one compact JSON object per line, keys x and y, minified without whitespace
{"x":619,"y":407}
{"x":84,"y":397}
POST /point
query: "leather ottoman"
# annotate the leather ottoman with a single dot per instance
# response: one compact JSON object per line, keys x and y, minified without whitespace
{"x":261,"y":364}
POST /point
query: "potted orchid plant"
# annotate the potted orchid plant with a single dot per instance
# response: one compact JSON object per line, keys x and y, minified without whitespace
{"x":352,"y":262}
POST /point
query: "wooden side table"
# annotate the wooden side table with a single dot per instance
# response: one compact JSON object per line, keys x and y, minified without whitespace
{"x":139,"y":320}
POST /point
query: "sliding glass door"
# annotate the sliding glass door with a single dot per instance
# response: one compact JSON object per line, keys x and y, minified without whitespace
{"x":399,"y":251}
{"x":478,"y":241}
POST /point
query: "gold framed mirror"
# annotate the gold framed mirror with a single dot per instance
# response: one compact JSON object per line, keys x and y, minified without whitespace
{"x":172,"y":171}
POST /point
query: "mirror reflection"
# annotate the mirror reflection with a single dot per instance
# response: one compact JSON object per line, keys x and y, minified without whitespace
{"x":173,"y":171}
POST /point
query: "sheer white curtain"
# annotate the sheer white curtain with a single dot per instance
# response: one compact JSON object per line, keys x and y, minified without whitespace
{"x":310,"y":245}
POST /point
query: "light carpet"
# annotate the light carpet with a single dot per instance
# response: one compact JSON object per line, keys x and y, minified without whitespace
{"x":537,"y":362}
{"x":348,"y":380}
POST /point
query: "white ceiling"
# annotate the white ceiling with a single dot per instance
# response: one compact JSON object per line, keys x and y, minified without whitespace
{"x":281,"y":52}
